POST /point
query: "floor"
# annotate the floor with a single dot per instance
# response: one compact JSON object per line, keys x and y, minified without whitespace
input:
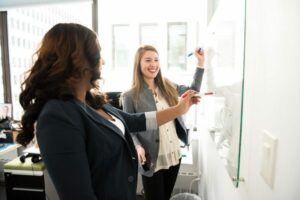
{"x":3,"y":193}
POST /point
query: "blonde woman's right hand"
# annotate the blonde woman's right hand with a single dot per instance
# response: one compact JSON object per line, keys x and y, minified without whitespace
{"x":187,"y":99}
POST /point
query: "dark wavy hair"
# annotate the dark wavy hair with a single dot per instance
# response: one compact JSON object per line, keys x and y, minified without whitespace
{"x":66,"y":52}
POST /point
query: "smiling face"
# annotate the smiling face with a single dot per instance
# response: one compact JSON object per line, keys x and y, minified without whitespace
{"x":150,"y":65}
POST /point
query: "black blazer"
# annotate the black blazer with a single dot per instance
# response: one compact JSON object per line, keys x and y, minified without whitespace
{"x":86,"y":156}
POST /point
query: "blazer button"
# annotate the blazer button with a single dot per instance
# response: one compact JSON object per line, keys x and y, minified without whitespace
{"x":130,"y":179}
{"x":157,"y":140}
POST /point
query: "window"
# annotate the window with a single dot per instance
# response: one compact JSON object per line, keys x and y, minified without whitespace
{"x":1,"y":75}
{"x":122,"y":29}
{"x":27,"y":26}
{"x":121,"y":44}
{"x":4,"y":67}
{"x":177,"y":38}
{"x":172,"y":27}
{"x":173,"y":32}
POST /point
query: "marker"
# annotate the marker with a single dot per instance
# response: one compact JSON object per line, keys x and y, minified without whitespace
{"x":190,"y":54}
{"x":205,"y":94}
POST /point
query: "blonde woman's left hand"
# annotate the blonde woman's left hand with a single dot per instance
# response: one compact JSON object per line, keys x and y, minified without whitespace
{"x":199,"y":53}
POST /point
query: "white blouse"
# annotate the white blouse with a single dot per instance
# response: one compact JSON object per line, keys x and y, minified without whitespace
{"x":169,"y":145}
{"x":118,"y":123}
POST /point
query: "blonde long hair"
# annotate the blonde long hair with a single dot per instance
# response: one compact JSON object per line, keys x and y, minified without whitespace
{"x":167,"y":88}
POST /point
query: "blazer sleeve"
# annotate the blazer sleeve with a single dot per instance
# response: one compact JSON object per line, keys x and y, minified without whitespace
{"x":61,"y":139}
{"x":196,"y":83}
{"x":128,"y":103}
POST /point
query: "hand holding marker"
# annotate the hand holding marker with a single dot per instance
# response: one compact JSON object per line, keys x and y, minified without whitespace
{"x":199,"y":54}
{"x":192,"y":53}
{"x":203,"y":94}
{"x":195,"y":99}
{"x":199,"y":95}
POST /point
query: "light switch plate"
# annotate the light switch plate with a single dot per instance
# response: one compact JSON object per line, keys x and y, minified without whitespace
{"x":268,"y":156}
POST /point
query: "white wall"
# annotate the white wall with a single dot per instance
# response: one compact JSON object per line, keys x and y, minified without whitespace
{"x":272,"y":103}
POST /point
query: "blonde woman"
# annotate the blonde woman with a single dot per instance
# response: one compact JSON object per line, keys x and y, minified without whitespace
{"x":158,"y":150}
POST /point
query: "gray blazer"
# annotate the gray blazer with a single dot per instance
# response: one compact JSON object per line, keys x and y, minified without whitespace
{"x":149,"y":140}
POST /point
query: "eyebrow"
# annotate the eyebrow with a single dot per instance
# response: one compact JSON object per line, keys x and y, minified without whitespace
{"x":150,"y":58}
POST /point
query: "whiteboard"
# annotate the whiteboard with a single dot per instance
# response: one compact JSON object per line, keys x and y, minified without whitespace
{"x":225,"y":75}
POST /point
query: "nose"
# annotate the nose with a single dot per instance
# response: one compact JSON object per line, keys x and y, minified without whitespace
{"x":102,"y":61}
{"x":153,"y":63}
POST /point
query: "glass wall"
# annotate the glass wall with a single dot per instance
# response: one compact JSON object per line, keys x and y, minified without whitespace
{"x":225,"y":76}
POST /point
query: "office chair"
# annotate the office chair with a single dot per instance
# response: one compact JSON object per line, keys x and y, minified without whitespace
{"x":114,"y":99}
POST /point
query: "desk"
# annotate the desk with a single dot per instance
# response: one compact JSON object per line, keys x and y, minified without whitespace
{"x":28,"y":181}
{"x":8,"y":147}
{"x":8,"y":151}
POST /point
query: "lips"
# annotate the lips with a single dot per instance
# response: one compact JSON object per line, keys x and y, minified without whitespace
{"x":152,"y":70}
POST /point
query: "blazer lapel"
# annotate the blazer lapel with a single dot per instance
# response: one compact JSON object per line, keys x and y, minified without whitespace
{"x":99,"y":119}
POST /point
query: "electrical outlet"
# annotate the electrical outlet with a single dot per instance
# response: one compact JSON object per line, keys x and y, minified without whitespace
{"x":269,"y":146}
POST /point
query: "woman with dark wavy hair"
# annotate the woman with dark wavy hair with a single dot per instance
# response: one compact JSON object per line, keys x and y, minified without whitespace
{"x":85,"y":142}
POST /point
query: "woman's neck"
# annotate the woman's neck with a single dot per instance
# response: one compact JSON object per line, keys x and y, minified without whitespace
{"x":151,"y":84}
{"x":82,"y":87}
{"x":80,"y":94}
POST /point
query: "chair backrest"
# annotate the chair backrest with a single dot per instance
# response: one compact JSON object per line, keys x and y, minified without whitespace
{"x":114,"y":99}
